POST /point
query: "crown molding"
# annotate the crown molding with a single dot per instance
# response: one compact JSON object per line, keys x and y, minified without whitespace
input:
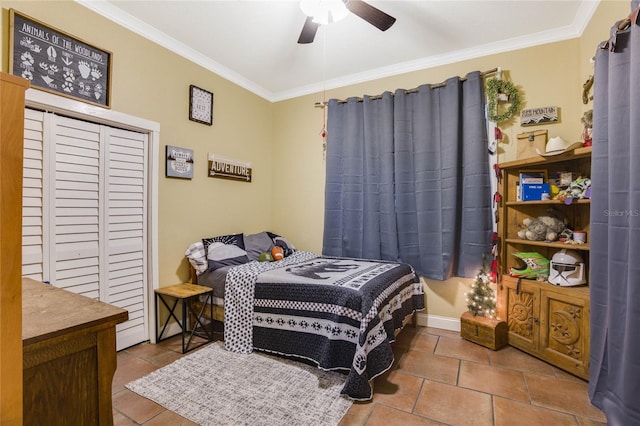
{"x":575,"y":30}
{"x":151,"y":33}
{"x":104,"y":8}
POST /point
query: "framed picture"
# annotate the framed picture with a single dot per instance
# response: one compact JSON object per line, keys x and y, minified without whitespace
{"x":200,"y":105}
{"x":57,"y":62}
{"x":179,"y":162}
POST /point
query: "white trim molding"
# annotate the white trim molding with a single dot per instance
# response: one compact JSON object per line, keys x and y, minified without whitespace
{"x":436,"y":321}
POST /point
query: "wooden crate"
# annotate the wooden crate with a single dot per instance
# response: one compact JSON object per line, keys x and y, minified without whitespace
{"x":488,"y":332}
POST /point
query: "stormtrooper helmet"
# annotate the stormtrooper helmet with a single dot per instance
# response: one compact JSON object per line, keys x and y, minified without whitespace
{"x":567,"y":269}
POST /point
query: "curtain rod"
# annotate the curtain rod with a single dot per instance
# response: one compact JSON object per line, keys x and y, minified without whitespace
{"x":626,"y":23}
{"x":414,"y":90}
{"x":623,"y":25}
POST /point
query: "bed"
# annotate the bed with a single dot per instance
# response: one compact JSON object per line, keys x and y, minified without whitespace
{"x":340,"y":314}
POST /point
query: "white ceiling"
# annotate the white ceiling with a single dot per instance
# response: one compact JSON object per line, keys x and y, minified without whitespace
{"x":254,"y":43}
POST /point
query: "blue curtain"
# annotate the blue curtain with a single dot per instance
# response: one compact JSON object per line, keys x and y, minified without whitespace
{"x":408,"y":178}
{"x":614,"y":384}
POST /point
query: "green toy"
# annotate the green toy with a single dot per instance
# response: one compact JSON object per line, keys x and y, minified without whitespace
{"x":265,"y":257}
{"x":535,"y":265}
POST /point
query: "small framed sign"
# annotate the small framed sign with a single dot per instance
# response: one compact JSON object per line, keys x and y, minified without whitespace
{"x":542,"y":115}
{"x":200,"y":105}
{"x":57,"y":62}
{"x":179,"y":162}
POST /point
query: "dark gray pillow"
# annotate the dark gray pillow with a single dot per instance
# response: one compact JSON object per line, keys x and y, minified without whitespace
{"x":255,"y":244}
{"x":279,"y":241}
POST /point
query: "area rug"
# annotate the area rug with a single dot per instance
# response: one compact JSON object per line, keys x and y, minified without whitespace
{"x":216,"y":387}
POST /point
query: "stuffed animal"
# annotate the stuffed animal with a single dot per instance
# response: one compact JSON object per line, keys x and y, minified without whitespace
{"x":265,"y":257}
{"x":579,"y":188}
{"x":544,"y":228}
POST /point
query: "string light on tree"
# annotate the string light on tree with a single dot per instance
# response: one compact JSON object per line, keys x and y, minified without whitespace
{"x":481,"y":300}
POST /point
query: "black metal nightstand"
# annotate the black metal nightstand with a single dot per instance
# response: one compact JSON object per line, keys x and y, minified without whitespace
{"x":185,"y":293}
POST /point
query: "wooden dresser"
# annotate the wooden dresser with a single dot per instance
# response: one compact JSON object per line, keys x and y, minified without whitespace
{"x":69,"y":356}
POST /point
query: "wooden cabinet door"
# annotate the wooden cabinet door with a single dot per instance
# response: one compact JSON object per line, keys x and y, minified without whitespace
{"x":522,"y":313}
{"x":564,"y":332}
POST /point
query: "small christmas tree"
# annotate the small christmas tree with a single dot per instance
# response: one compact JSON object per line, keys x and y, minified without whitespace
{"x":481,"y":300}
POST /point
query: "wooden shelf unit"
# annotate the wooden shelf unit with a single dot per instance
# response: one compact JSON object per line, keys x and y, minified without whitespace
{"x":514,"y":212}
{"x":543,"y":319}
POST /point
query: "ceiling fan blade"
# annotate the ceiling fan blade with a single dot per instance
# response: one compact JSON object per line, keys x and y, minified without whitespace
{"x":371,"y":14}
{"x":308,"y":32}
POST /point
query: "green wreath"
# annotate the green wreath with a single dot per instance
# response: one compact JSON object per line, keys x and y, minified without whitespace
{"x":494,"y":88}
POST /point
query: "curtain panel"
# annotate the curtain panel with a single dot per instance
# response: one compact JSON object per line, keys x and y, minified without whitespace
{"x":614,"y":384}
{"x":408,"y":178}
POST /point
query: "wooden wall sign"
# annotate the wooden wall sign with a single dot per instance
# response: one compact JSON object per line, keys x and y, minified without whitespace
{"x":542,"y":115}
{"x":227,"y":168}
{"x":57,"y":62}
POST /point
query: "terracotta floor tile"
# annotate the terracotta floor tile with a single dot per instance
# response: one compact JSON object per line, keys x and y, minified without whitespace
{"x":358,"y":414}
{"x":416,"y":341}
{"x":120,"y":420}
{"x":454,"y":405}
{"x":583,"y":421}
{"x":493,"y":380}
{"x":561,"y":374}
{"x":144,"y":350}
{"x":433,"y":367}
{"x":164,"y":358}
{"x":562,"y":395}
{"x":129,"y":368}
{"x":462,"y":349}
{"x":135,"y":407}
{"x":386,"y":416}
{"x":397,"y":390}
{"x":169,"y":418}
{"x":441,"y":332}
{"x":507,"y":412}
{"x":510,"y":357}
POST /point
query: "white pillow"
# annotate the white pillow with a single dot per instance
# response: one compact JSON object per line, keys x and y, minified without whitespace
{"x":197,"y":257}
{"x":221,"y":251}
{"x":221,"y":254}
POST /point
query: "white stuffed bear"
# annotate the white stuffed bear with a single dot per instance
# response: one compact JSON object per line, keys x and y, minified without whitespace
{"x":544,"y":228}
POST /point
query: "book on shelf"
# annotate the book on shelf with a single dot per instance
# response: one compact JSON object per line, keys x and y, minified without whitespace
{"x":533,"y":177}
{"x":534,"y":191}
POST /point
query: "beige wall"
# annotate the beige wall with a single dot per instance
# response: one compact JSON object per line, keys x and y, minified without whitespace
{"x":282,"y":139}
{"x":150,"y":82}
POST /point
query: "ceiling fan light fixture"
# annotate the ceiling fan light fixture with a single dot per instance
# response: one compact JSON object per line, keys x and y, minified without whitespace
{"x":324,"y":12}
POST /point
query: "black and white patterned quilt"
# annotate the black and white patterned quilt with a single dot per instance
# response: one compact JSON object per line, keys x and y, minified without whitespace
{"x":341,"y":314}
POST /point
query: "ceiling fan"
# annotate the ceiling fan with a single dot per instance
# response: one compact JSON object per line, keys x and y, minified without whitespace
{"x":322,"y":12}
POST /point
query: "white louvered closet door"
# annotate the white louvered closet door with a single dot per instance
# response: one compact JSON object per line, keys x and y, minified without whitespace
{"x":84,"y":213}
{"x":125,"y":231}
{"x":74,"y":249}
{"x":33,"y":208}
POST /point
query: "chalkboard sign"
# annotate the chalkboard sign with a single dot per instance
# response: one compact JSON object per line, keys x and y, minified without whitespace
{"x":58,"y":62}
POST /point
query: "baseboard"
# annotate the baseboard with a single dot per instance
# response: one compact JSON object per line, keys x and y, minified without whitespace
{"x":436,"y":321}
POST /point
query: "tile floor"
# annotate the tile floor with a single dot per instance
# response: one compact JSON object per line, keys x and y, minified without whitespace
{"x":438,"y":379}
